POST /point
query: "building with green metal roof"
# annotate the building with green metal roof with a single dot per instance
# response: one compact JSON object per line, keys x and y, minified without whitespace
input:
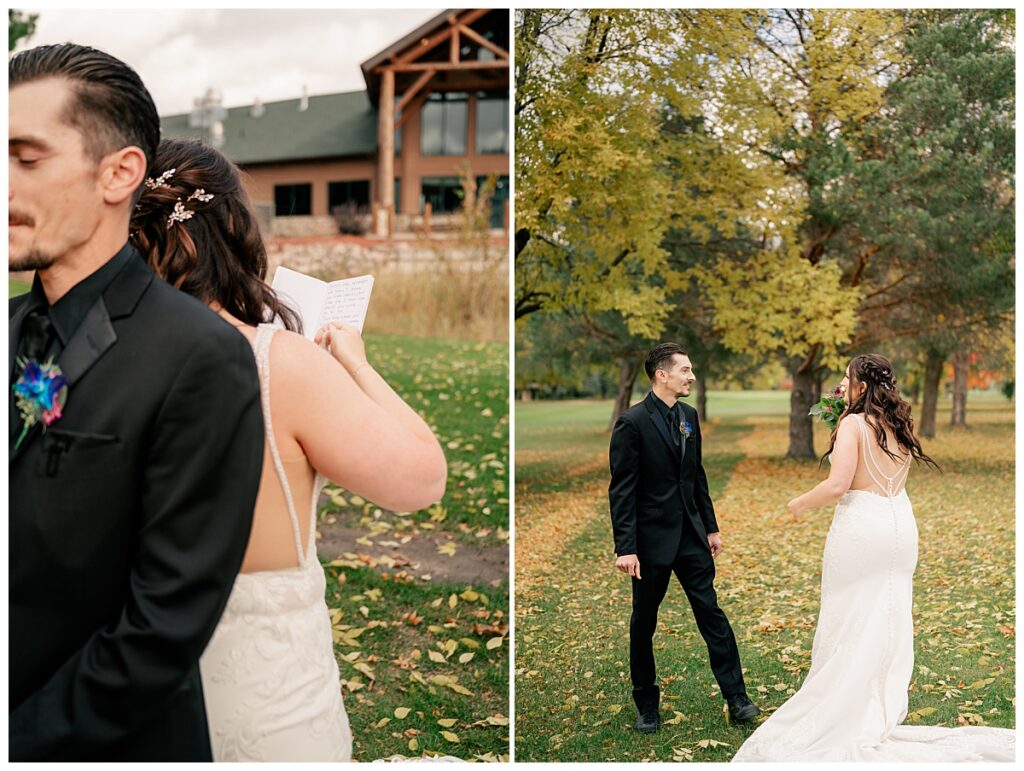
{"x":438,"y":98}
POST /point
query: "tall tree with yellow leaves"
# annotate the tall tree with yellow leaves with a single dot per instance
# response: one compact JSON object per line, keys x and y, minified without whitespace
{"x":791,"y":107}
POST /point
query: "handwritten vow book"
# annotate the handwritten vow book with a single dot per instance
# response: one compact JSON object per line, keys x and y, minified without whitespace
{"x":320,"y":303}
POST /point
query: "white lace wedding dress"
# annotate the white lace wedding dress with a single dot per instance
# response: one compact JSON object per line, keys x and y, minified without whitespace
{"x":269,"y":674}
{"x":854,"y":699}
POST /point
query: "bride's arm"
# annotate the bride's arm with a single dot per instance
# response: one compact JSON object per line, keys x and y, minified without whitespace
{"x":345,"y":344}
{"x":844,"y":465}
{"x":375,"y":446}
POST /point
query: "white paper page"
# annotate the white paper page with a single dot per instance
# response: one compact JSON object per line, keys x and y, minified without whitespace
{"x":303,"y":293}
{"x":347,"y":301}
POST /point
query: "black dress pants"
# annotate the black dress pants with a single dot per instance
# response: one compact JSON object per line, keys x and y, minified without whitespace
{"x":695,"y":569}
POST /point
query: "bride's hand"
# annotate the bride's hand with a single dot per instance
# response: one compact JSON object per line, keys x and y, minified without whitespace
{"x":795,"y":508}
{"x":345,"y":344}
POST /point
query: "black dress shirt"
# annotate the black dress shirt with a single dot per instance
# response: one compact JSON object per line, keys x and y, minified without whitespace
{"x":68,"y":312}
{"x":672,"y":417}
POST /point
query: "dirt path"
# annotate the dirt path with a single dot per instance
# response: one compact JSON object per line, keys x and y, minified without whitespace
{"x":548,"y":522}
{"x":416,"y":554}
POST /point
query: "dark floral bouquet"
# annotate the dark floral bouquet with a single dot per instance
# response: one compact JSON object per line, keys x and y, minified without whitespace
{"x":830,"y":407}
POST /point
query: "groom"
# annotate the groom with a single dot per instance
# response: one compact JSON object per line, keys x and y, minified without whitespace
{"x":131,"y":492}
{"x":664,"y":523}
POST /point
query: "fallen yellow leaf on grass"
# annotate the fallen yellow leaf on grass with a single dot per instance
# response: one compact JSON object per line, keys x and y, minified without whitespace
{"x":448,"y":548}
{"x":450,"y":736}
{"x":705,"y":743}
{"x":447,"y":722}
{"x":494,"y":642}
{"x":402,"y":712}
{"x":466,"y":657}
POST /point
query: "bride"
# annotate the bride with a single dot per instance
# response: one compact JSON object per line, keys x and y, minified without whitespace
{"x":269,"y":674}
{"x":854,"y":699}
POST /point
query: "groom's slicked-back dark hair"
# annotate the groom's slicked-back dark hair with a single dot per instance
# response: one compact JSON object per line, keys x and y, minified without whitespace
{"x":659,"y":355}
{"x":111,"y":107}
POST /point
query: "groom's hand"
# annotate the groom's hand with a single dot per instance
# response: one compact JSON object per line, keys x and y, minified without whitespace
{"x":715,"y":542}
{"x":629,"y":564}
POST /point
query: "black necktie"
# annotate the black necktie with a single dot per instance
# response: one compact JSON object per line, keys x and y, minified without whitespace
{"x":673,"y":425}
{"x":36,"y":334}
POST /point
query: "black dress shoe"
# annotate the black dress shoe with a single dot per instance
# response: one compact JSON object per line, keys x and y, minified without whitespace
{"x":741,"y":709}
{"x":648,"y":720}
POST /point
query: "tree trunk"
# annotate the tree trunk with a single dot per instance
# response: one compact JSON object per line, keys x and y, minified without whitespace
{"x":915,"y":393}
{"x":702,"y":396}
{"x":628,"y":370}
{"x":934,"y":364}
{"x":801,"y":432}
{"x":818,"y":385}
{"x":961,"y":368}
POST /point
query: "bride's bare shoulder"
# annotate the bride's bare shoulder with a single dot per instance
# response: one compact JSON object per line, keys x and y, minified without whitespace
{"x":850,"y":422}
{"x":295,"y":353}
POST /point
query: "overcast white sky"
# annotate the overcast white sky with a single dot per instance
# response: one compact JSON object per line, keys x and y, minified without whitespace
{"x":269,"y":54}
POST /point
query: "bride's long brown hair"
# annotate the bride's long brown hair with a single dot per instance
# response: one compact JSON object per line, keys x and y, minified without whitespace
{"x":196,"y":228}
{"x":881,"y":400}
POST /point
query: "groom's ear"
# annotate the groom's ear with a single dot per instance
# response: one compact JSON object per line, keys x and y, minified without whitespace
{"x":121,"y":173}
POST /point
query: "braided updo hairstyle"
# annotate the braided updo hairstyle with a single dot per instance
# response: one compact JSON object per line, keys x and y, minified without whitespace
{"x":881,"y":400}
{"x":196,"y":228}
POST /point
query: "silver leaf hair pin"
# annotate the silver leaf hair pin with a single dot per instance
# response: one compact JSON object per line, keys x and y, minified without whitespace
{"x":180,"y":213}
{"x":160,"y":181}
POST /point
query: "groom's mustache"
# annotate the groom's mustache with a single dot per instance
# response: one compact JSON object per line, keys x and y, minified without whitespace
{"x":17,"y":218}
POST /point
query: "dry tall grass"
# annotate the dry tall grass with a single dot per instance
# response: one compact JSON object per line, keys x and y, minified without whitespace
{"x":464,"y":298}
{"x":457,"y":301}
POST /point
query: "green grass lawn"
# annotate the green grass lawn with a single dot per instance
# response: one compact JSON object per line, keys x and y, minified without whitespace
{"x":15,"y":288}
{"x":418,"y":675}
{"x":424,"y":667}
{"x":572,"y":660}
{"x":461,"y":390}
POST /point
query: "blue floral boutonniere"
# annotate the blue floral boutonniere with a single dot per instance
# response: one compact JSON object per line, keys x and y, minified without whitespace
{"x":40,"y":393}
{"x":685,"y":429}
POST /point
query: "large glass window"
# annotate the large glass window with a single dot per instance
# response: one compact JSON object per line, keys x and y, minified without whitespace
{"x":444,"y":194}
{"x":355,"y":191}
{"x":293,"y":200}
{"x":498,"y":199}
{"x":444,"y":124}
{"x":492,"y":123}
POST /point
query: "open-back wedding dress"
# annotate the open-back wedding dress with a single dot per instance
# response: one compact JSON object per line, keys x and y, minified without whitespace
{"x":854,"y":699}
{"x":269,"y":674}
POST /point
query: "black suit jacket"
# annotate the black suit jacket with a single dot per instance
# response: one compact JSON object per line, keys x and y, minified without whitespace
{"x":129,"y":518}
{"x":654,"y":486}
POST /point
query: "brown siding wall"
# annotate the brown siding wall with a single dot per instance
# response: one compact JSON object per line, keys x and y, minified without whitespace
{"x":262,"y":178}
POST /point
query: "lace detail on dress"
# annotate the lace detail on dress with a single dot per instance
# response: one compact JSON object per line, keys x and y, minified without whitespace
{"x":269,"y":674}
